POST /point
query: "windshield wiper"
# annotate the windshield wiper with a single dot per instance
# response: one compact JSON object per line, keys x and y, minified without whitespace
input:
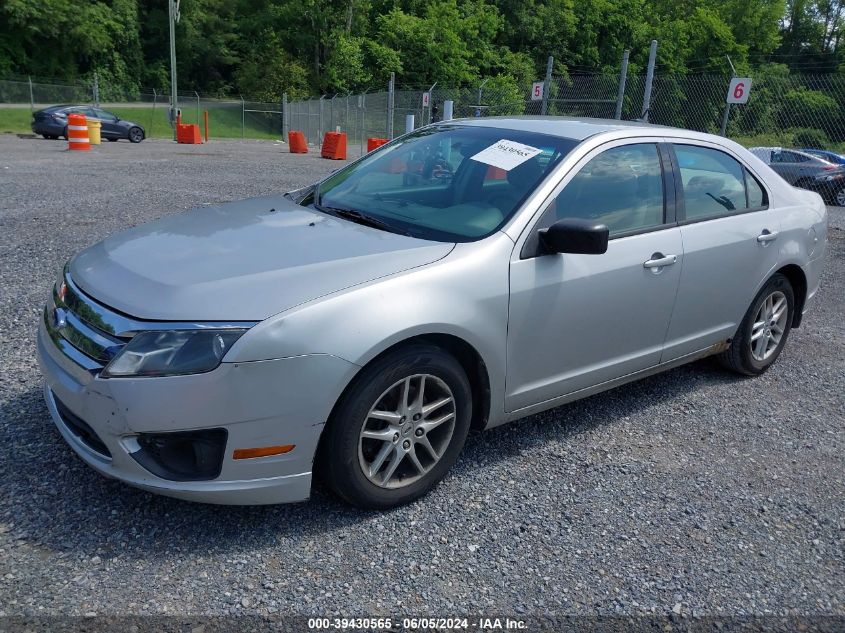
{"x":361,"y":218}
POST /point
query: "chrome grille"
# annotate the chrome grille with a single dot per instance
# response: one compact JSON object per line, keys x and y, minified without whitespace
{"x":76,"y":320}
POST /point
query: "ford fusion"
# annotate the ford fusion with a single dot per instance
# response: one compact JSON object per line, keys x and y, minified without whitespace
{"x":462,"y":276}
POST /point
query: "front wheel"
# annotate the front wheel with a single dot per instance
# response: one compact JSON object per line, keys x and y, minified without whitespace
{"x":839,"y":197}
{"x":764,"y":329}
{"x":398,"y":429}
{"x":136,"y":135}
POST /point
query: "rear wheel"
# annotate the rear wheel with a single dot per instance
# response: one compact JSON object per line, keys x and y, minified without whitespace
{"x":839,"y":197}
{"x":398,"y":429}
{"x":763,"y":332}
{"x":136,"y":135}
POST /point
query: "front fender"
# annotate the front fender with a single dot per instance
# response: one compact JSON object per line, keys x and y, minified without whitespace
{"x":463,"y":295}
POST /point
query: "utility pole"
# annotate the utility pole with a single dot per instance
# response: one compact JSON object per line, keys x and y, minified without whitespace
{"x":173,"y":20}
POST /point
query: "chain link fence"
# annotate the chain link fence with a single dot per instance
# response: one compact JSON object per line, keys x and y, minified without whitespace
{"x":803,"y":110}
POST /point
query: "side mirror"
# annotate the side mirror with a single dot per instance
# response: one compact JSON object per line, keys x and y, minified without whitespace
{"x":573,"y":235}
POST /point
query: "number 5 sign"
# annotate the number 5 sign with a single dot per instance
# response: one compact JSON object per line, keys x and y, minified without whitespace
{"x":739,"y":89}
{"x":537,"y":91}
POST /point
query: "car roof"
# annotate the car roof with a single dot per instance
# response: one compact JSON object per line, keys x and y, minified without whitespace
{"x":564,"y":127}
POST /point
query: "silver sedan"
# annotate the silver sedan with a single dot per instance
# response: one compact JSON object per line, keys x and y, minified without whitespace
{"x":462,"y":276}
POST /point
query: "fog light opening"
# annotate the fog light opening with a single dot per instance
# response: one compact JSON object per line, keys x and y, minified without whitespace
{"x":183,"y":455}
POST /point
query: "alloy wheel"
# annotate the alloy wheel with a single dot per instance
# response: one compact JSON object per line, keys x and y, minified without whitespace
{"x":769,"y":326}
{"x":840,"y":197}
{"x":406,"y":431}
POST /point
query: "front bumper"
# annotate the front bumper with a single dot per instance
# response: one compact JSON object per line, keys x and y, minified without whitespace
{"x":262,"y":403}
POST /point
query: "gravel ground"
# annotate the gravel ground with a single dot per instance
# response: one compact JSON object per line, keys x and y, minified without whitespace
{"x":693,"y":491}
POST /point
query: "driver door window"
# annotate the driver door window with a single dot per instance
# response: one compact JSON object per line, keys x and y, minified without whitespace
{"x":621,"y":187}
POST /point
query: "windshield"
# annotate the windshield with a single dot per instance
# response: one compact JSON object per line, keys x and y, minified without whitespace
{"x":448,"y":183}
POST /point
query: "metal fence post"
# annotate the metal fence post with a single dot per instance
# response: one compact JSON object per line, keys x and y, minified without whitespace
{"x":285,"y":116}
{"x":481,"y":88}
{"x":623,"y":76}
{"x":320,"y":123}
{"x":723,"y":131}
{"x":198,"y":106}
{"x":547,"y":85}
{"x":649,"y":78}
{"x":153,"y":116}
{"x":332,"y":120}
{"x":31,"y":99}
{"x":423,"y":119}
{"x":243,"y":117}
{"x":363,"y":105}
{"x":96,"y":90}
{"x":390,"y":96}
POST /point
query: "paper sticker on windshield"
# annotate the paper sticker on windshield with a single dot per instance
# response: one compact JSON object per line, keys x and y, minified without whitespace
{"x":506,"y":154}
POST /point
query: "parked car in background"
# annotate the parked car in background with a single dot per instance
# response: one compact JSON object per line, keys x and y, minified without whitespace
{"x":465,"y":275}
{"x":807,"y":171}
{"x":51,"y":123}
{"x":833,"y":157}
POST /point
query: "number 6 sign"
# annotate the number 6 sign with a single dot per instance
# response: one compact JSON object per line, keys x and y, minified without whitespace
{"x":739,"y":89}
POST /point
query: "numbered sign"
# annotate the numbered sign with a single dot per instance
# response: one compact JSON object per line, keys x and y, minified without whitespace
{"x":537,"y":91}
{"x":426,"y":99}
{"x":739,"y":89}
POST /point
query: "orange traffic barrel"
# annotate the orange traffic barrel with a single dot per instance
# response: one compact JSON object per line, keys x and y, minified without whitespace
{"x":334,"y":146}
{"x":297,"y":142}
{"x":77,"y":132}
{"x":374,"y":143}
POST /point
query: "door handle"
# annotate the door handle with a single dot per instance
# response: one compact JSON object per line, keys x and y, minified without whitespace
{"x":658,"y":260}
{"x":767,"y":236}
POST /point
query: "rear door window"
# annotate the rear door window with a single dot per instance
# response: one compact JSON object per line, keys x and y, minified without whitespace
{"x":715,"y":184}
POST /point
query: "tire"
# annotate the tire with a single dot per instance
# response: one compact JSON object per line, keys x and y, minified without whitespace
{"x":740,"y":357}
{"x":64,"y":133}
{"x":135,"y":135}
{"x":839,"y":197}
{"x":384,"y":472}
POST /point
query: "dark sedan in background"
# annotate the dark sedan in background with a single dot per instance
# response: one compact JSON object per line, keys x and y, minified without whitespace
{"x":807,"y":171}
{"x":831,"y":157}
{"x":51,"y":123}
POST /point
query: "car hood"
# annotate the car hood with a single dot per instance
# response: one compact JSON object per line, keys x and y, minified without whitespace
{"x":240,"y":261}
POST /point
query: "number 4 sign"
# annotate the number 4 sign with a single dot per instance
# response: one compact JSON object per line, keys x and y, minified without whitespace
{"x":537,"y":91}
{"x":739,"y":89}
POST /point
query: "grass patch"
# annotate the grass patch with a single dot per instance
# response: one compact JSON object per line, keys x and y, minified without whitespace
{"x":223,"y":121}
{"x":15,"y":120}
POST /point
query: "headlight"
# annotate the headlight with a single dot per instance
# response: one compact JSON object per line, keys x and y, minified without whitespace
{"x":172,"y":353}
